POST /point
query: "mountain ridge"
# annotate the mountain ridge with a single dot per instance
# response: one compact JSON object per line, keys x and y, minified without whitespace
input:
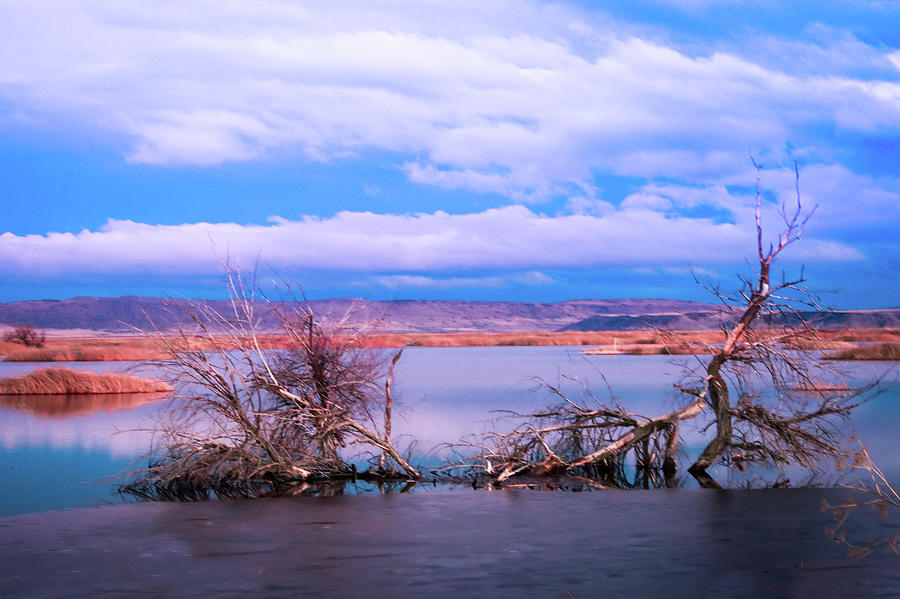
{"x":130,"y":314}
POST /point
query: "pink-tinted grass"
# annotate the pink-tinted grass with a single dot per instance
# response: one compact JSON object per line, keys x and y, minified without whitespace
{"x":142,"y":348}
{"x":62,"y":381}
{"x":878,"y":351}
{"x":76,"y":354}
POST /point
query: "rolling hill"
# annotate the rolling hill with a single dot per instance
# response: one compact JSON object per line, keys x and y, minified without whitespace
{"x":123,"y":315}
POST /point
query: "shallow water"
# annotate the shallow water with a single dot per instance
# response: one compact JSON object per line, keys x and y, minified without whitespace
{"x":54,"y":459}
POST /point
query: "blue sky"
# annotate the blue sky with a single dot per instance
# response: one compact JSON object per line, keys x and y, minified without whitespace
{"x":508,"y":150}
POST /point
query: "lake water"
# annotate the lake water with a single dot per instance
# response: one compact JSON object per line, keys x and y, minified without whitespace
{"x":455,"y":543}
{"x":58,"y":457}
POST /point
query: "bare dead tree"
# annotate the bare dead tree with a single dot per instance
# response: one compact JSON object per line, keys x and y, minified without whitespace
{"x":876,"y":493}
{"x":786,"y":410}
{"x":253,"y":421}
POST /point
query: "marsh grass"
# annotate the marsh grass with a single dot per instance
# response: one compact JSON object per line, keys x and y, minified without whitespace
{"x":7,"y":347}
{"x":62,"y":381}
{"x":148,"y":348}
{"x":878,"y":351}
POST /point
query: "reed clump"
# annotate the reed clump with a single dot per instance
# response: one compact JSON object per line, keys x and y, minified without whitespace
{"x":7,"y":347}
{"x":878,"y":351}
{"x":84,"y":354}
{"x":62,"y":381}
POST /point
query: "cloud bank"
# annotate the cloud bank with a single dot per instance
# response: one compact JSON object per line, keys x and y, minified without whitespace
{"x":601,"y":140}
{"x":513,"y":238}
{"x":527,"y":107}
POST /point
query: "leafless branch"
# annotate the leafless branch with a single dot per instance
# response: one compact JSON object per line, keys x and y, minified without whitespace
{"x":254,"y":421}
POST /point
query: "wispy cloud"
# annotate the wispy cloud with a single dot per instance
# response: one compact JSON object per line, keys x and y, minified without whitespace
{"x":527,"y":107}
{"x":605,"y":141}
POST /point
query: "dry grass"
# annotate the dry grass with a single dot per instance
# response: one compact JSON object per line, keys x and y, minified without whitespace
{"x":863,"y":335}
{"x":100,"y":349}
{"x":122,"y":349}
{"x":538,"y":338}
{"x":816,"y":388}
{"x":8,"y":347}
{"x":879,"y":351}
{"x":62,"y":381}
{"x":143,"y":348}
{"x":83,"y":354}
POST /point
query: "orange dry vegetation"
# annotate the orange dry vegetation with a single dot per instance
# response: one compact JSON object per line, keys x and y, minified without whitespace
{"x":101,"y":349}
{"x":878,"y":351}
{"x":8,"y":346}
{"x":138,"y":348}
{"x":125,"y":349}
{"x":534,"y":338}
{"x":62,"y":381}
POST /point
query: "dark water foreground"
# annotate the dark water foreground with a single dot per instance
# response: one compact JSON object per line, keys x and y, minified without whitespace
{"x":683,"y":543}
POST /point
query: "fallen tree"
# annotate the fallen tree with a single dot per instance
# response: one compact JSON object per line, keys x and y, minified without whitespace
{"x":787,"y":411}
{"x":593,"y":444}
{"x":279,"y":420}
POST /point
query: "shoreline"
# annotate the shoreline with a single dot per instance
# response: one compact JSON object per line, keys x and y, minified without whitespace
{"x":637,"y":342}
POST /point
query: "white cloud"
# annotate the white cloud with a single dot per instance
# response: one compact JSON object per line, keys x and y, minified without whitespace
{"x":507,"y":239}
{"x":528,"y":107}
{"x":845,"y":202}
{"x":587,"y":206}
{"x":203,"y":138}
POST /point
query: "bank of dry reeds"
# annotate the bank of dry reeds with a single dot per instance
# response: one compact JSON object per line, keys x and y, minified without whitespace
{"x":62,"y":381}
{"x":149,"y":348}
{"x":878,"y":351}
{"x":84,"y":354}
{"x":7,"y":347}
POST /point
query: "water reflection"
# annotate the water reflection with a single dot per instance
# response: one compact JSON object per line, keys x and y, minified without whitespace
{"x":443,"y":394}
{"x":62,"y":406}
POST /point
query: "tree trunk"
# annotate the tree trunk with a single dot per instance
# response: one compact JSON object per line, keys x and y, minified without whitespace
{"x":718,"y":398}
{"x":670,"y":462}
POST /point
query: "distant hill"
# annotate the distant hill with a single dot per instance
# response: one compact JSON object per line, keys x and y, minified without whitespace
{"x":133,"y":314}
{"x":713,"y":319}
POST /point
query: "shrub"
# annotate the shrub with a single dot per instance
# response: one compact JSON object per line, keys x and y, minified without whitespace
{"x":26,"y":335}
{"x":272,"y":422}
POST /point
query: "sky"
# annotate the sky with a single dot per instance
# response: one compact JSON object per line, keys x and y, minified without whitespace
{"x":508,"y":150}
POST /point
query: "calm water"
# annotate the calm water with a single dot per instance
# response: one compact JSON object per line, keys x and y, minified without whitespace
{"x":57,"y":457}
